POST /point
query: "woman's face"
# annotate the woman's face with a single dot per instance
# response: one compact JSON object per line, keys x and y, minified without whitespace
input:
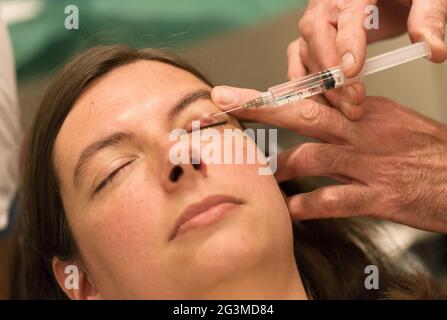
{"x":123,"y":199}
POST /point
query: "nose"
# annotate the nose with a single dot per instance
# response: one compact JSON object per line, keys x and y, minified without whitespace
{"x":182,"y":174}
{"x":178,"y":170}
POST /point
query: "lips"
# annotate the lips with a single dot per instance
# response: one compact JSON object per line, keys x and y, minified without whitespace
{"x":215,"y":204}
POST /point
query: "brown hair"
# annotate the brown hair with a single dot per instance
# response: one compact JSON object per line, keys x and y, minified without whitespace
{"x":332,"y":254}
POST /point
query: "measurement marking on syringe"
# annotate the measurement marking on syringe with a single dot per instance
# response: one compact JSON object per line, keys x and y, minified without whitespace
{"x":289,"y":98}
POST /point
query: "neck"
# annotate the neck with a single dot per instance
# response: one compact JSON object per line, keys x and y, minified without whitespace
{"x":273,"y":281}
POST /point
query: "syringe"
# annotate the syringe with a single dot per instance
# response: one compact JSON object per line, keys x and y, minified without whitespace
{"x":332,"y":78}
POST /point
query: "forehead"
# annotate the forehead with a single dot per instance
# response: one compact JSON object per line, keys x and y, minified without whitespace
{"x":138,"y":80}
{"x":144,"y":89}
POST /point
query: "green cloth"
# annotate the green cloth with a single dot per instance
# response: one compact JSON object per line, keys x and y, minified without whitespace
{"x":42,"y":44}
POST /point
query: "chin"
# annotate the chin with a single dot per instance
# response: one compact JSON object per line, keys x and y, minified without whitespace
{"x":227,"y":250}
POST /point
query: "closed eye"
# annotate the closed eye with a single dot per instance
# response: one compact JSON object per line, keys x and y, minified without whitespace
{"x":214,"y":124}
{"x":110,"y":177}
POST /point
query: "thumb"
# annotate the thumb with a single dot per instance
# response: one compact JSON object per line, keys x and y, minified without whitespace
{"x":427,"y":22}
{"x":230,"y":97}
{"x":351,"y":35}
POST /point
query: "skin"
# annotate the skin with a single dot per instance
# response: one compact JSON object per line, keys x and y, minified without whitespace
{"x":391,"y":160}
{"x":123,"y":232}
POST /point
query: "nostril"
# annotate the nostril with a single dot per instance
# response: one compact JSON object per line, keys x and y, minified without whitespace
{"x":175,"y":174}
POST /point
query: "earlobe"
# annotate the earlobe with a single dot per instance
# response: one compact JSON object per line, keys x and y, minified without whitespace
{"x":73,"y":281}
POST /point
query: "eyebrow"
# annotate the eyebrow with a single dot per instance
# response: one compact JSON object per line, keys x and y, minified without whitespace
{"x":188,"y":99}
{"x":94,"y":148}
{"x":119,"y":137}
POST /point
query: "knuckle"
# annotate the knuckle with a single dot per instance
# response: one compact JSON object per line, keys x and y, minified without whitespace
{"x":306,"y":24}
{"x":310,"y":111}
{"x":329,"y":202}
{"x":348,"y":4}
{"x":294,"y":206}
{"x":343,"y":4}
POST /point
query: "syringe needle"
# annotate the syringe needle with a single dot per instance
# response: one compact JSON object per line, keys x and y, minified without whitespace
{"x":258,"y":102}
{"x":224,"y":112}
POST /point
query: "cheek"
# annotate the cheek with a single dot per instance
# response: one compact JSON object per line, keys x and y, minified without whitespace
{"x":244,"y":166}
{"x":122,"y":237}
{"x":261,"y":191}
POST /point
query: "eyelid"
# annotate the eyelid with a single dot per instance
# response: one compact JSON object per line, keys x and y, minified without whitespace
{"x":208,"y":124}
{"x":105,"y":181}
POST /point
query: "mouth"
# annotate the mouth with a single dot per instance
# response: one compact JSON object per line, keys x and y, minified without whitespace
{"x":203,"y":213}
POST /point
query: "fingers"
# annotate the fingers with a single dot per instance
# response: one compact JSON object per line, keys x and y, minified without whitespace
{"x":330,"y":202}
{"x":347,"y":99}
{"x":351,"y":35}
{"x":330,"y":45}
{"x":230,"y":97}
{"x":350,"y":25}
{"x":319,"y":159}
{"x":296,"y":67}
{"x":316,"y":53}
{"x":306,"y":117}
{"x":319,"y":34}
{"x":427,"y":21}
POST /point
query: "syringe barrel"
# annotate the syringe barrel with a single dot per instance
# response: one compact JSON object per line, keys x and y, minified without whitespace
{"x":333,"y":78}
{"x":306,"y":87}
{"x":396,"y":57}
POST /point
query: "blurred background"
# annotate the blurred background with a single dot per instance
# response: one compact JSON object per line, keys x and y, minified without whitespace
{"x":234,"y":42}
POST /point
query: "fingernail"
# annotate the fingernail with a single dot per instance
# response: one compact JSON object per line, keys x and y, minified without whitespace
{"x":347,"y":62}
{"x":226,"y":96}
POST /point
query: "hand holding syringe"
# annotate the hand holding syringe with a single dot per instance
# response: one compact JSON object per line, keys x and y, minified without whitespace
{"x":332,"y":78}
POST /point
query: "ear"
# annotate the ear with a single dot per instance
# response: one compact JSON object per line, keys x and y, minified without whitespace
{"x":75,"y":282}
